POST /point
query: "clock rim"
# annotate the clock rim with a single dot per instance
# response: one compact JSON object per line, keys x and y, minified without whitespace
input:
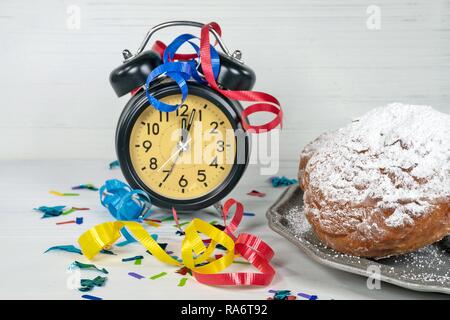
{"x":132,"y":110}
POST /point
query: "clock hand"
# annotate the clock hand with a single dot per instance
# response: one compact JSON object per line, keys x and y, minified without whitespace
{"x":175,"y":154}
{"x":184,"y":134}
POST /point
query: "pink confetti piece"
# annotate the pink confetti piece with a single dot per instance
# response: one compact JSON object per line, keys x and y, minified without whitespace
{"x":256,"y":193}
{"x":175,"y":217}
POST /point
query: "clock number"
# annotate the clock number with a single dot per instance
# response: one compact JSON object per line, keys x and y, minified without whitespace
{"x":167,"y":172}
{"x":201,"y":176}
{"x":147,"y":144}
{"x":153,"y":129}
{"x":220,"y":146}
{"x":215,"y":125}
{"x":153,"y":163}
{"x":183,"y":108}
{"x":214,"y":163}
{"x":182,"y":182}
{"x":161,"y":116}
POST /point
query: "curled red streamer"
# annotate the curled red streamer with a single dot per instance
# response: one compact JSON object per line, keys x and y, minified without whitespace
{"x":265,"y":101}
{"x":249,"y":247}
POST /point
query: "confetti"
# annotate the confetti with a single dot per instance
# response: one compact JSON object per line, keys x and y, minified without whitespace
{"x":80,"y":209}
{"x":127,"y":236}
{"x":80,"y":265}
{"x":89,"y":297}
{"x":66,"y":222}
{"x":68,"y":211}
{"x":153,"y":224}
{"x":281,"y":295}
{"x":157,"y":276}
{"x":87,"y":186}
{"x":135,"y":275}
{"x":170,"y":218}
{"x":307,"y":296}
{"x":51,"y":211}
{"x":241,"y":262}
{"x":282,"y":181}
{"x":180,"y":233}
{"x":67,"y":248}
{"x":138,"y":261}
{"x":79,"y":220}
{"x":132,"y":258}
{"x":249,"y":214}
{"x":114,"y":164}
{"x":175,"y":217}
{"x":184,"y":270}
{"x":60,"y":194}
{"x":154,"y":220}
{"x":104,"y":251}
{"x":256,"y":193}
{"x":88,"y":284}
{"x":182,"y":282}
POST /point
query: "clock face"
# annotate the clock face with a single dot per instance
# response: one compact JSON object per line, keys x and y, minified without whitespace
{"x":184,"y":154}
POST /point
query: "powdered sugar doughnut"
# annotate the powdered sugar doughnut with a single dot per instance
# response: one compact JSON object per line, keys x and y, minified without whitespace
{"x":381,"y":185}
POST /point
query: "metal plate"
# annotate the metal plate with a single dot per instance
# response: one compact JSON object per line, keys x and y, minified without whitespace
{"x":427,"y":269}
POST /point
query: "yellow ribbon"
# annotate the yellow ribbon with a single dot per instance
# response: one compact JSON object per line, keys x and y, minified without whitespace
{"x":106,"y":234}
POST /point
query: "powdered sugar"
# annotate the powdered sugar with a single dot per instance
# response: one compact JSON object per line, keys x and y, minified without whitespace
{"x":395,"y":157}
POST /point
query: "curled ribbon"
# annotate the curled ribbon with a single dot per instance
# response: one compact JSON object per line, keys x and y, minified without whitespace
{"x":195,"y":255}
{"x":210,"y":62}
{"x":123,"y":202}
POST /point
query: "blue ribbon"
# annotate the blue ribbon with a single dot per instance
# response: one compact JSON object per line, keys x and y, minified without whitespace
{"x":179,"y":71}
{"x":123,"y":202}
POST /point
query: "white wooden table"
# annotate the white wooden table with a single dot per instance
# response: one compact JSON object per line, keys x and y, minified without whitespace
{"x":27,"y":273}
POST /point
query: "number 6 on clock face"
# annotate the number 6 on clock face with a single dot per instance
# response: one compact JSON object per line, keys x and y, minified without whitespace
{"x":188,"y":159}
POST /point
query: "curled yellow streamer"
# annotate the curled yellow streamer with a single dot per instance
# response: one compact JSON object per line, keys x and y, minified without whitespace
{"x":106,"y":234}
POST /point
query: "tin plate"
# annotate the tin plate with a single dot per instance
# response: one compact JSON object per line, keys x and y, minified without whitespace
{"x":427,"y":269}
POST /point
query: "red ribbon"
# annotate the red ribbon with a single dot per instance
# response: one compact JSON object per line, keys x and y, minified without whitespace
{"x":265,"y":101}
{"x":249,"y":247}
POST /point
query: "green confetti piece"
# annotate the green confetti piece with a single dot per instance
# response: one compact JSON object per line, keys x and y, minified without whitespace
{"x":88,"y":266}
{"x":67,"y":248}
{"x":170,"y":218}
{"x":88,"y":284}
{"x":157,"y":276}
{"x":241,"y":262}
{"x":138,"y":261}
{"x":213,"y":222}
{"x":181,"y":224}
{"x":68,"y":211}
{"x":182,"y":282}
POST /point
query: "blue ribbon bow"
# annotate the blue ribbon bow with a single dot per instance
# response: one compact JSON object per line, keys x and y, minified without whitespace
{"x":180,"y":71}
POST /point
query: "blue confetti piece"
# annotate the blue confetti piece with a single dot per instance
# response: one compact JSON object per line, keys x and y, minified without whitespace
{"x":51,"y":211}
{"x":89,"y":297}
{"x":114,"y":164}
{"x":67,"y":248}
{"x":249,"y":214}
{"x":282,"y":181}
{"x":132,"y":258}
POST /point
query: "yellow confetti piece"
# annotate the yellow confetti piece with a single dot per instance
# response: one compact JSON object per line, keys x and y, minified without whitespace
{"x":59,"y":194}
{"x":153,"y":224}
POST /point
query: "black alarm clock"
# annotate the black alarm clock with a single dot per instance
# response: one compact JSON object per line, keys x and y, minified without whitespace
{"x":157,"y":150}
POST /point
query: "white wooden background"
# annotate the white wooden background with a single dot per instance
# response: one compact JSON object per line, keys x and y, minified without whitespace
{"x":317,"y":56}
